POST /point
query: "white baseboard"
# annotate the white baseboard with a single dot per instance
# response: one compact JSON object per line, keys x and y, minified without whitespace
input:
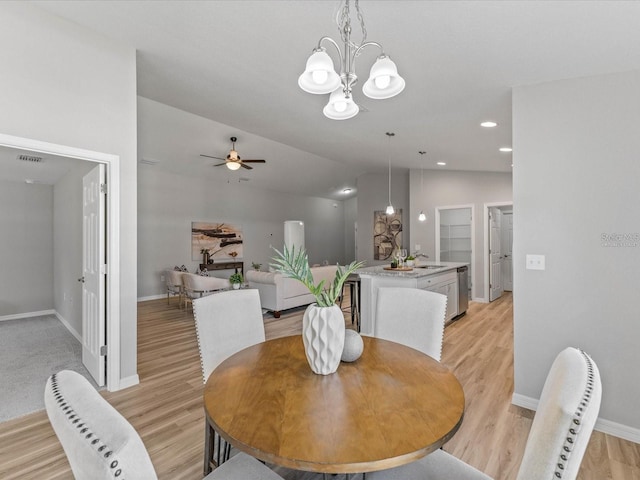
{"x":18,"y":316}
{"x":602,"y":425}
{"x":152,"y":297}
{"x":479,"y":300}
{"x":128,"y":382}
{"x":69,"y":327}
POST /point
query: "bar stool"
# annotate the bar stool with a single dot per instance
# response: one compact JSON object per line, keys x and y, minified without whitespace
{"x":353,"y":281}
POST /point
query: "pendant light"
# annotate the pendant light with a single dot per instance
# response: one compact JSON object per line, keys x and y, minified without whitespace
{"x":422,"y":217}
{"x":390,"y":210}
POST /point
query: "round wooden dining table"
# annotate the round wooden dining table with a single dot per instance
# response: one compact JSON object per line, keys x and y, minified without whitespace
{"x":390,"y":407}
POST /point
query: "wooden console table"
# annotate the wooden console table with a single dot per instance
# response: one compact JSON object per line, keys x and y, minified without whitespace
{"x":223,"y":266}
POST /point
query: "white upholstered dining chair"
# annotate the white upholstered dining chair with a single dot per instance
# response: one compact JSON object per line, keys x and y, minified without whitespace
{"x":412,"y":317}
{"x":101,"y":444}
{"x":561,"y":429}
{"x":226,"y":323}
{"x":173,"y":279}
{"x":198,"y":286}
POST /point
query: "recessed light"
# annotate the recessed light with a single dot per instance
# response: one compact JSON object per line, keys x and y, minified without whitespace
{"x":441,"y":163}
{"x":506,"y":149}
{"x":488,"y":124}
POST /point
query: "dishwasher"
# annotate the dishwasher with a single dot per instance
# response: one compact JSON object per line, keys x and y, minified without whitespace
{"x":463,"y":290}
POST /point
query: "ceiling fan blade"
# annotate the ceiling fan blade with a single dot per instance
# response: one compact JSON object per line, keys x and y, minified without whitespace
{"x":245,"y":166}
{"x":220,"y":164}
{"x":255,"y":161}
{"x":209,"y":156}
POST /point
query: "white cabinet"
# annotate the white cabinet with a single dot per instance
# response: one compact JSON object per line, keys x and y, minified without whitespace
{"x":446,"y":284}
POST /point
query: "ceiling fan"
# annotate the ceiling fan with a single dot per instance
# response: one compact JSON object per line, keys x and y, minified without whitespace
{"x":233,"y":160}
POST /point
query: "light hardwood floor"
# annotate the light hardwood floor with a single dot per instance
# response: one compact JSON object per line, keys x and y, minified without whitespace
{"x":166,"y":408}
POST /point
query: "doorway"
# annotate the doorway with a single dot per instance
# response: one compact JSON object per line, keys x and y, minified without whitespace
{"x":112,"y":295}
{"x":455,"y":237}
{"x":498,"y":247}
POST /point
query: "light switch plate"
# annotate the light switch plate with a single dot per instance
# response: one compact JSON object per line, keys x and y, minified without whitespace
{"x":535,"y":262}
{"x":417,"y":249}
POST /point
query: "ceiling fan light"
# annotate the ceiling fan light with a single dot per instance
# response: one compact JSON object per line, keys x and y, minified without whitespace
{"x":233,"y":165}
{"x":340,"y":107}
{"x":384,"y":80}
{"x":319,"y":77}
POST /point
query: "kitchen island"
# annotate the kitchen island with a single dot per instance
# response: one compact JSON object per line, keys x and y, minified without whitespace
{"x":441,"y":278}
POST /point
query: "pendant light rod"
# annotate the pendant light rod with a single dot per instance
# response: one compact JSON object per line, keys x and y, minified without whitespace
{"x":390,"y":210}
{"x":422,"y":217}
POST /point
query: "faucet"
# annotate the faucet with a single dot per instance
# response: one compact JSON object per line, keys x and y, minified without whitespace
{"x":418,"y":254}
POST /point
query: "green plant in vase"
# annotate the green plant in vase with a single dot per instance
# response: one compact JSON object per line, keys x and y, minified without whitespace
{"x":323,"y":322}
{"x":236,"y":279}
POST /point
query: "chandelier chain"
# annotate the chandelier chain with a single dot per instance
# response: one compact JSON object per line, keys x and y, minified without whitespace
{"x":343,"y":18}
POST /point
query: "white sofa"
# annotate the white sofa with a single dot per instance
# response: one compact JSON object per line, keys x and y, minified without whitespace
{"x":278,"y":292}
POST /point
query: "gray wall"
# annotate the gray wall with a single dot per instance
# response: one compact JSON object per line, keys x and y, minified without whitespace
{"x":448,"y":188}
{"x":66,"y":85}
{"x":373,"y":194}
{"x":67,"y":245}
{"x":26,"y":248}
{"x":350,"y":219}
{"x":576,"y":177}
{"x":168,"y":203}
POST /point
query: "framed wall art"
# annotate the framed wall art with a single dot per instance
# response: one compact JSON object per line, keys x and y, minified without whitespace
{"x":387,"y":234}
{"x":222,"y":241}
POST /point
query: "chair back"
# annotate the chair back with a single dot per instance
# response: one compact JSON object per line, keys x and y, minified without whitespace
{"x":199,"y":285}
{"x":412,"y":317}
{"x":98,"y":441}
{"x":567,"y":412}
{"x":173,"y":278}
{"x":226,"y":323}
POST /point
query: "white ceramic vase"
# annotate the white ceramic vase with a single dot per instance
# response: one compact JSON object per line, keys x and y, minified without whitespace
{"x":236,"y":286}
{"x":323,"y":337}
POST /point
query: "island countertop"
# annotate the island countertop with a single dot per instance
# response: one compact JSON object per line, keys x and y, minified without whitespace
{"x":421,"y":269}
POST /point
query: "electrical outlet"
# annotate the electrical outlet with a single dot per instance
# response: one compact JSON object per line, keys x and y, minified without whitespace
{"x":535,"y":262}
{"x":162,"y":278}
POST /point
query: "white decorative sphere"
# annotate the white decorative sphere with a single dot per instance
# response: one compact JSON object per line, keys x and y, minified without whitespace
{"x":353,"y":346}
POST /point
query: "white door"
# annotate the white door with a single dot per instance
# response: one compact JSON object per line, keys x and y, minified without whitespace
{"x":506,"y":246}
{"x":93,"y":273}
{"x":495,"y":273}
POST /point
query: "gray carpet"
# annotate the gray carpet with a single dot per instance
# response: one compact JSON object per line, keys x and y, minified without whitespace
{"x":32,"y":349}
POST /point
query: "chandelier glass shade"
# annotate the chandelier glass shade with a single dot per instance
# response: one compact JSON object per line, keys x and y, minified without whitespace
{"x":340,"y":107}
{"x":321,"y":78}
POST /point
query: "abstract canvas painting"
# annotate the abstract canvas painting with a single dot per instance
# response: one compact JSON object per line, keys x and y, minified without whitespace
{"x":387,"y":234}
{"x":222,"y":240}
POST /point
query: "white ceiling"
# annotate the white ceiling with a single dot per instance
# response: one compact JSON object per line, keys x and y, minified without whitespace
{"x":237,"y":63}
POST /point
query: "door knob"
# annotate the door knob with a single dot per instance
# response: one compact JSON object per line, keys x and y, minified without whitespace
{"x":81,"y":279}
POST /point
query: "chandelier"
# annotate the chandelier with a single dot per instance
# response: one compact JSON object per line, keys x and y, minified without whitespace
{"x":321,"y":78}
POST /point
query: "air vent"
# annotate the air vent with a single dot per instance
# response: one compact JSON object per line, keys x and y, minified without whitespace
{"x":148,"y":161}
{"x":243,"y":179}
{"x":30,"y":158}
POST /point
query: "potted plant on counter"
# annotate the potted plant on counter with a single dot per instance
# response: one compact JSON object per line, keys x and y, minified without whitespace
{"x":411,"y":260}
{"x":236,"y":280}
{"x":323,"y":321}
